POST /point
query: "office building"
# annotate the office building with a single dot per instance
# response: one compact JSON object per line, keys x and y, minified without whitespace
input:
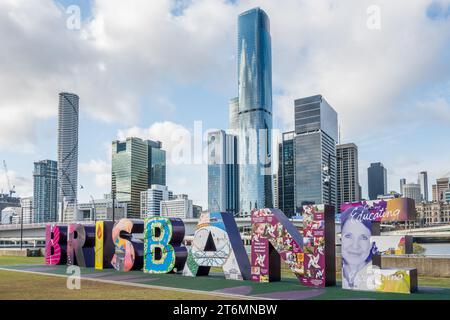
{"x":441,"y":185}
{"x":286,"y":174}
{"x":101,"y":209}
{"x":402,"y":184}
{"x":151,"y":200}
{"x":67,"y":151}
{"x":45,"y":191}
{"x":27,"y":210}
{"x":275,"y":191}
{"x":254,"y":111}
{"x":156,"y":163}
{"x":315,"y":150}
{"x":423,"y":182}
{"x":135,"y":164}
{"x":377,"y":180}
{"x":223,"y":180}
{"x":412,"y":191}
{"x":179,"y":207}
{"x":347,"y":174}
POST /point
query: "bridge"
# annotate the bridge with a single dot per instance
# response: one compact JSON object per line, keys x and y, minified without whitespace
{"x":442,"y":231}
{"x":35,"y":233}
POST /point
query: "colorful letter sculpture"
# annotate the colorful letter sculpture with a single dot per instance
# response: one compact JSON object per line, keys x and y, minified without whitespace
{"x":319,"y":246}
{"x":104,"y":245}
{"x":128,"y":250}
{"x":55,"y":244}
{"x":217,"y":243}
{"x":362,"y":246}
{"x":162,"y":245}
{"x":80,"y":245}
{"x":310,"y":254}
{"x":310,"y":257}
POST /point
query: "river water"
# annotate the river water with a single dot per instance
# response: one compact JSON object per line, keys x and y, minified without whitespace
{"x":442,"y":249}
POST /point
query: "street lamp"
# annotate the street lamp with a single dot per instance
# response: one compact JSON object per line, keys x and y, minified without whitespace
{"x":113,"y":196}
{"x":21,"y":229}
{"x":95,"y":209}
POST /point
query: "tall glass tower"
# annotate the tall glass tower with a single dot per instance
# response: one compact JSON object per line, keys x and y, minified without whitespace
{"x":254,"y":110}
{"x":45,"y":181}
{"x":67,"y":149}
{"x":136,"y":165}
{"x":222,"y":172}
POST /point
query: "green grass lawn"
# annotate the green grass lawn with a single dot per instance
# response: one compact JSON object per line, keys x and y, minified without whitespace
{"x":5,"y":261}
{"x":16,"y":285}
{"x":13,"y":285}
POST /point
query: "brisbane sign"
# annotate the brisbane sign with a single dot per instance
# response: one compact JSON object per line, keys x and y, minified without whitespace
{"x":309,"y":254}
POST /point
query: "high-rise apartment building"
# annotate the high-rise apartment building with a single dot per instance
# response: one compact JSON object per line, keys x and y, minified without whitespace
{"x":316,"y":129}
{"x":133,"y":171}
{"x":423,"y":182}
{"x":254,"y":110}
{"x":67,"y":150}
{"x":347,"y":174}
{"x":223,"y":188}
{"x":45,"y":191}
{"x":377,"y":180}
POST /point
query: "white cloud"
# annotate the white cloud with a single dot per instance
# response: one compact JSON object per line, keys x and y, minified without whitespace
{"x":101,"y":171}
{"x":130,"y":51}
{"x":188,"y":177}
{"x":172,"y":136}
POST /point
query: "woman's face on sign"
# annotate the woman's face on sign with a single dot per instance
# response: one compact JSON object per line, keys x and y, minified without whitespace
{"x":355,"y":238}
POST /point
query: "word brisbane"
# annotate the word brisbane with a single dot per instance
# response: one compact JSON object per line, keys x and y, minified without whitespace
{"x":310,"y":253}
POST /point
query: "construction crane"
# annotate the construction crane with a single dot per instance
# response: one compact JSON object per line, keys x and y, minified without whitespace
{"x":11,"y":190}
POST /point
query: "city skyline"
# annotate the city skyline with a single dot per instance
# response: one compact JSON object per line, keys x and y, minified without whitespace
{"x":102,"y":121}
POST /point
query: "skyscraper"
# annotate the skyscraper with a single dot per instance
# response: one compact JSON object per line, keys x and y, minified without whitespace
{"x":222,"y":172}
{"x":286,"y":174}
{"x":254,"y":110}
{"x":45,"y":191}
{"x":377,"y":180}
{"x":347,"y":174}
{"x":156,"y":163}
{"x":402,"y":184}
{"x":315,"y":142}
{"x":67,"y":150}
{"x":423,"y":182}
{"x":275,"y":191}
{"x":133,"y":171}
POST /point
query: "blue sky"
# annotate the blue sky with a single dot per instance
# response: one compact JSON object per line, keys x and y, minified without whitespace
{"x":147,"y":68}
